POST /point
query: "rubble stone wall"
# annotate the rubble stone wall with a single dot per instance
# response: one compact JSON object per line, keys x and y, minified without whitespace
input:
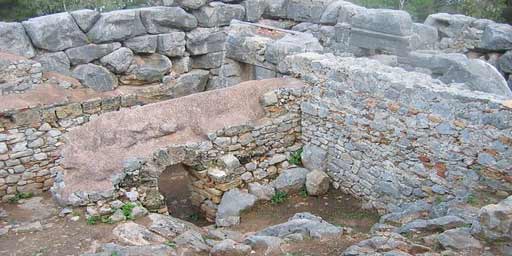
{"x":393,"y":136}
{"x":30,"y":139}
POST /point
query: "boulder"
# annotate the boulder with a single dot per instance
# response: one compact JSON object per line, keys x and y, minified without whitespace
{"x":229,"y":247}
{"x":88,"y":53}
{"x":142,"y":250}
{"x":229,"y":162}
{"x":497,"y":37}
{"x":505,"y":62}
{"x":459,"y":239}
{"x":291,"y":180}
{"x":158,"y":20}
{"x":55,"y":32}
{"x":305,"y":10}
{"x":265,"y":245}
{"x":496,"y":220}
{"x":147,"y":69}
{"x":385,"y":244}
{"x":317,"y":183}
{"x":189,"y":83}
{"x":95,"y":77}
{"x":441,"y":223}
{"x":142,"y":44}
{"x":290,"y":45}
{"x":172,"y":44}
{"x":85,"y":19}
{"x":54,"y":61}
{"x":205,"y":40}
{"x":192,"y":240}
{"x":118,"y":61}
{"x":117,"y":26}
{"x":478,"y":75}
{"x":427,"y":36}
{"x":449,"y":25}
{"x":314,"y":157}
{"x":385,"y":21}
{"x":231,"y":206}
{"x":305,"y":224}
{"x":262,"y":192}
{"x":218,"y":14}
{"x":13,"y":39}
{"x":254,"y":9}
{"x":208,"y":61}
{"x":134,"y":234}
{"x":191,"y":4}
{"x":168,"y":226}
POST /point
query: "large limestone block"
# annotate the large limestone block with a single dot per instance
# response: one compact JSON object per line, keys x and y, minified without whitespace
{"x":305,"y":224}
{"x":96,"y":77}
{"x":118,"y":61}
{"x":54,"y":61}
{"x":291,"y":180}
{"x":172,"y":44}
{"x":159,"y":20}
{"x":231,"y":206}
{"x":314,"y":157}
{"x":496,"y":220}
{"x":205,"y":40}
{"x":317,"y":183}
{"x":392,"y":22}
{"x":85,"y":19}
{"x":217,"y":14}
{"x":55,"y":32}
{"x":142,"y":44}
{"x":191,"y":4}
{"x":87,"y":53}
{"x":13,"y":39}
{"x":306,"y":10}
{"x":449,"y":25}
{"x":291,"y":44}
{"x":192,"y":82}
{"x":117,"y":26}
{"x":147,"y":69}
{"x":497,"y":37}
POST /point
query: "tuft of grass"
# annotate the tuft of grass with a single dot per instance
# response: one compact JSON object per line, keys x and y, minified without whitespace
{"x":93,"y":220}
{"x":19,"y":196}
{"x":304,"y":192}
{"x":438,"y":200}
{"x":106,"y":220}
{"x":359,"y":215}
{"x":127,"y":210}
{"x":295,"y":157}
{"x":279,"y":197}
{"x":114,"y":254}
{"x":171,"y":244}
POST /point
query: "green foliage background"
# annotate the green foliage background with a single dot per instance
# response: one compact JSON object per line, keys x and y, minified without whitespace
{"x":17,"y":10}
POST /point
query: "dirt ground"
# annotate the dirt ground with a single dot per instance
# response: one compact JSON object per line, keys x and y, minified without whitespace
{"x":62,"y":236}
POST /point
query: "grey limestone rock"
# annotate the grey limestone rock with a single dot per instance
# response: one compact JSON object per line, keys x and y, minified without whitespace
{"x":291,"y":180}
{"x":88,"y":53}
{"x":117,"y":26}
{"x":85,"y":19}
{"x":13,"y":39}
{"x":96,"y":77}
{"x":231,"y":206}
{"x":158,"y":20}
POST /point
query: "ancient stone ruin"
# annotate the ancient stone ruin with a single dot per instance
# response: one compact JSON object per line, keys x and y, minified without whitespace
{"x":221,"y":105}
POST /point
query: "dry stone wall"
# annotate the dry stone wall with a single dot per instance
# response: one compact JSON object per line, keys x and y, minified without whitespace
{"x":30,"y":139}
{"x":392,"y":136}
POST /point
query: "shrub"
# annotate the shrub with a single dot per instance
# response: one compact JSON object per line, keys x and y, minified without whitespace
{"x":295,"y":157}
{"x":127,"y":210}
{"x":279,"y":197}
{"x":19,"y":196}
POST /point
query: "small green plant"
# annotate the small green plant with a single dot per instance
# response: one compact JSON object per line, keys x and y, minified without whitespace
{"x":171,"y":244}
{"x":93,"y":220}
{"x":295,"y":157}
{"x":114,"y":254}
{"x":127,"y":210}
{"x":279,"y":197}
{"x":106,"y":220}
{"x":304,"y":192}
{"x":471,"y":199}
{"x":20,"y":195}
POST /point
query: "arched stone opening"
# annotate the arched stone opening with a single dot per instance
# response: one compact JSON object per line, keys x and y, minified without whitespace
{"x":175,"y":184}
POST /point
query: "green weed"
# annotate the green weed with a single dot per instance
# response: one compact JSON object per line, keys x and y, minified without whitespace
{"x":19,"y":196}
{"x":295,"y":157}
{"x":279,"y":197}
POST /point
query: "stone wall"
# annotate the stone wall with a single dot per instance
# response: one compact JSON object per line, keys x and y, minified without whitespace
{"x":393,"y":136}
{"x":231,"y":158}
{"x":30,"y":138}
{"x":18,"y":74}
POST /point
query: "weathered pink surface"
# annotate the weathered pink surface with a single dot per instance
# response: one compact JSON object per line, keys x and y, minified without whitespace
{"x":45,"y":95}
{"x":95,"y":151}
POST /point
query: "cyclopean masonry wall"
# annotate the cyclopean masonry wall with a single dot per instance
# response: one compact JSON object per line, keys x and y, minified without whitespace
{"x":225,"y":137}
{"x":393,"y":136}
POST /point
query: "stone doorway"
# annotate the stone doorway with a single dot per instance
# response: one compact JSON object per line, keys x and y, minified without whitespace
{"x":175,"y":184}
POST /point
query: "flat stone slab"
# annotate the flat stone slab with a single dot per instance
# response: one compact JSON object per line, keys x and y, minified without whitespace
{"x":94,"y":152}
